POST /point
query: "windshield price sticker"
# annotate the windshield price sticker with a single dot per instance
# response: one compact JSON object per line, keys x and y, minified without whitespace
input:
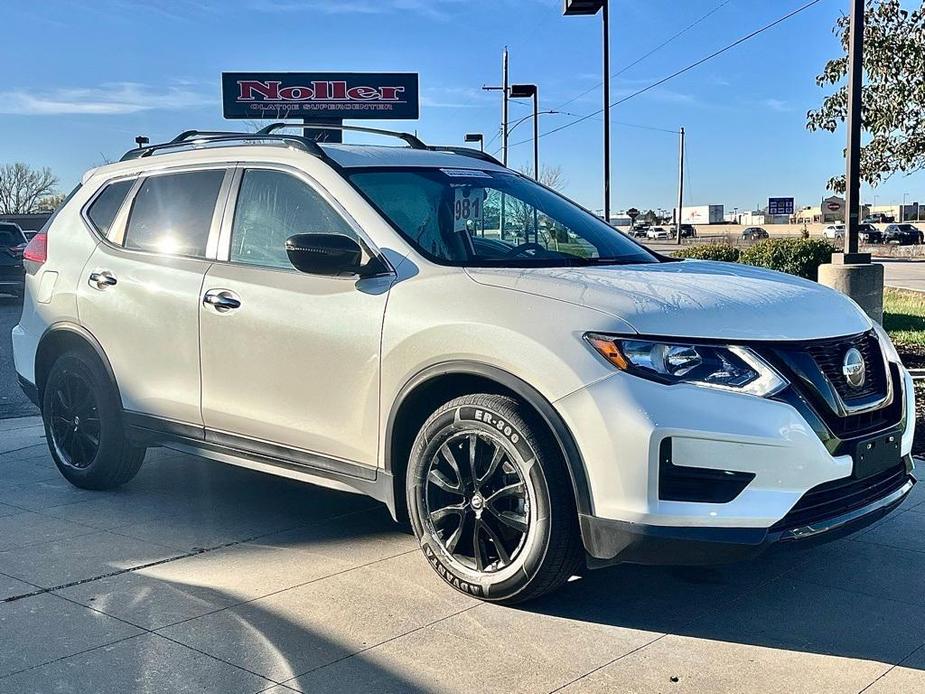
{"x":467,"y":208}
{"x":465,"y":173}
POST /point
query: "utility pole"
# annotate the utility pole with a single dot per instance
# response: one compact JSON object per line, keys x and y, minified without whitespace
{"x":677,"y":226}
{"x":505,"y":90}
{"x":853,"y":171}
{"x":505,"y":95}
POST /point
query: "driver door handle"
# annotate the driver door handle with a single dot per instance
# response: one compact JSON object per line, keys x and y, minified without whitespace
{"x":221,"y":300}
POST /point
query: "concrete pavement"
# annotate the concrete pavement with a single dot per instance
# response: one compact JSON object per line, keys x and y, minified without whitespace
{"x":201,"y":577}
{"x":903,"y":274}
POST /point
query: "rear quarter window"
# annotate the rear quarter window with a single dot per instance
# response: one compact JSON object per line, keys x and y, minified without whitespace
{"x":106,"y":206}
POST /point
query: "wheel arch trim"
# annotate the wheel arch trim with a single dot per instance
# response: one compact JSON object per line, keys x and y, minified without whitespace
{"x":56,"y":329}
{"x":548,"y":414}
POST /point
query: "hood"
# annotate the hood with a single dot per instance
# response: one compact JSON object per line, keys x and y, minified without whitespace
{"x":699,"y":299}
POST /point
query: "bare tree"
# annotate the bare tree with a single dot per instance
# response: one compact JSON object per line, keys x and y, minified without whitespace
{"x":550,"y":176}
{"x":22,"y":188}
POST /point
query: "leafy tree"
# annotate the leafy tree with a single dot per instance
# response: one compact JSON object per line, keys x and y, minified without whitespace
{"x":893,"y":112}
{"x":51,"y":203}
{"x":651,"y":217}
{"x":23,"y":188}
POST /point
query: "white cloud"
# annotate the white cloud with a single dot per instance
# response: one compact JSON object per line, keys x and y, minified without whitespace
{"x":116,"y":98}
{"x":435,"y":9}
{"x":455,"y":97}
{"x":777,"y":105}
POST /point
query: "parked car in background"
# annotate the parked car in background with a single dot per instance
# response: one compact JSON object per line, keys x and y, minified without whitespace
{"x":868,"y":233}
{"x":12,"y":243}
{"x":657,"y":233}
{"x":903,"y":234}
{"x":879,"y":219}
{"x":688,"y":231}
{"x":339,"y":314}
{"x":638,"y":232}
{"x":754,"y":234}
{"x":834,"y":231}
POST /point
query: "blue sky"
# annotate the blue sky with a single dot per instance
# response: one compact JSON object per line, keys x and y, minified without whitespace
{"x":83,"y":77}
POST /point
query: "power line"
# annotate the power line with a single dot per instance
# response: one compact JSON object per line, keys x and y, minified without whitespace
{"x":654,"y":50}
{"x":682,"y":70}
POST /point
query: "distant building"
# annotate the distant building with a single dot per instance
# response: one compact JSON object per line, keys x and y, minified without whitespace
{"x":831,"y":209}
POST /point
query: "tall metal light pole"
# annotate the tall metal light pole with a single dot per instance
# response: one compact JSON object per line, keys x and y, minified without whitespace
{"x":525,"y":91}
{"x":853,"y":170}
{"x":851,"y":272}
{"x":590,"y":7}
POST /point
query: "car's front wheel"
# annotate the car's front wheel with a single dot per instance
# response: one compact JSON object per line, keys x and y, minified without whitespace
{"x":491,"y":501}
{"x":83,"y":425}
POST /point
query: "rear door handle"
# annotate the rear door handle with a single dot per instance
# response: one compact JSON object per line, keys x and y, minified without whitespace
{"x":101,"y":280}
{"x":221,"y":300}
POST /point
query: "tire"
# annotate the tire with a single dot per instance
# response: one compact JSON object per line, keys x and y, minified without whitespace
{"x":83,"y":425}
{"x":506,"y":528}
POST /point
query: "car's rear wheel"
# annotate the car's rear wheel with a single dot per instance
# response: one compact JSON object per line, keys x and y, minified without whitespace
{"x":491,"y":501}
{"x":83,"y":425}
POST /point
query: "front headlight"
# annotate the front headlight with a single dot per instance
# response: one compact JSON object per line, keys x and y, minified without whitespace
{"x":730,"y":367}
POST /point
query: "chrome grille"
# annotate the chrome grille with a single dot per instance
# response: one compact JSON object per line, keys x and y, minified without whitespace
{"x":829,"y":356}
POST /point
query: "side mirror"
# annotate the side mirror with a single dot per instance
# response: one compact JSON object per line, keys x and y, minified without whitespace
{"x":325,"y":254}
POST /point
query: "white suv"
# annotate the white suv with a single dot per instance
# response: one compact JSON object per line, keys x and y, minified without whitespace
{"x":532,"y":389}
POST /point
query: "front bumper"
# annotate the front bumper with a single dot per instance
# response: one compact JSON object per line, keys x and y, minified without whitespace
{"x":621,"y":424}
{"x":611,"y":541}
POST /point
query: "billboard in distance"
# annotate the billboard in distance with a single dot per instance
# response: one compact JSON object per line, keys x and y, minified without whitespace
{"x":780,"y":206}
{"x":321,"y":96}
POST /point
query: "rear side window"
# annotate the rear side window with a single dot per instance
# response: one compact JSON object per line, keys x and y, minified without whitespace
{"x":104,"y":209}
{"x":272,"y":206}
{"x":172,"y":213}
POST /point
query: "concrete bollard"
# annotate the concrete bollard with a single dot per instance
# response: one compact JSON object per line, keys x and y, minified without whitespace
{"x":856,"y":276}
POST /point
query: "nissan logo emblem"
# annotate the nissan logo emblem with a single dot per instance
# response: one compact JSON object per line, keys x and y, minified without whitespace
{"x":853,"y":368}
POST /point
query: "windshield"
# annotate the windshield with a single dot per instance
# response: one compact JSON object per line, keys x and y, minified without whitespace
{"x":492,"y":219}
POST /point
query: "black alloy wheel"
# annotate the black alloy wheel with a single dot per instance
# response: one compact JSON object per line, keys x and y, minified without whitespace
{"x":491,"y":502}
{"x":477,"y":502}
{"x":75,"y":420}
{"x":82,"y":413}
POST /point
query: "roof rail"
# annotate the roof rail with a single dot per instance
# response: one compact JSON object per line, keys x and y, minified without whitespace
{"x":194,"y":137}
{"x":466,"y":152}
{"x":412,"y":140}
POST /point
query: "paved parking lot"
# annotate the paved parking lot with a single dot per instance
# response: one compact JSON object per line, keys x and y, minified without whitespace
{"x":202,"y":577}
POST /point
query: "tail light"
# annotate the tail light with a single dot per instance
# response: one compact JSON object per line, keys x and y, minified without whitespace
{"x":36,"y":250}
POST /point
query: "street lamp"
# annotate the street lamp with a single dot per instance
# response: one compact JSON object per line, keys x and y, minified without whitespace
{"x":525,"y":91}
{"x":476,"y":137}
{"x":590,"y":7}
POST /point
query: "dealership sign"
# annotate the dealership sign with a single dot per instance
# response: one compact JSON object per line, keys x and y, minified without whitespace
{"x":322,"y":96}
{"x":780,"y":206}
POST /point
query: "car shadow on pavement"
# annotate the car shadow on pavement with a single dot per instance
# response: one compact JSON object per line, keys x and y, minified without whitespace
{"x":861,"y":598}
{"x":228,"y":573}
